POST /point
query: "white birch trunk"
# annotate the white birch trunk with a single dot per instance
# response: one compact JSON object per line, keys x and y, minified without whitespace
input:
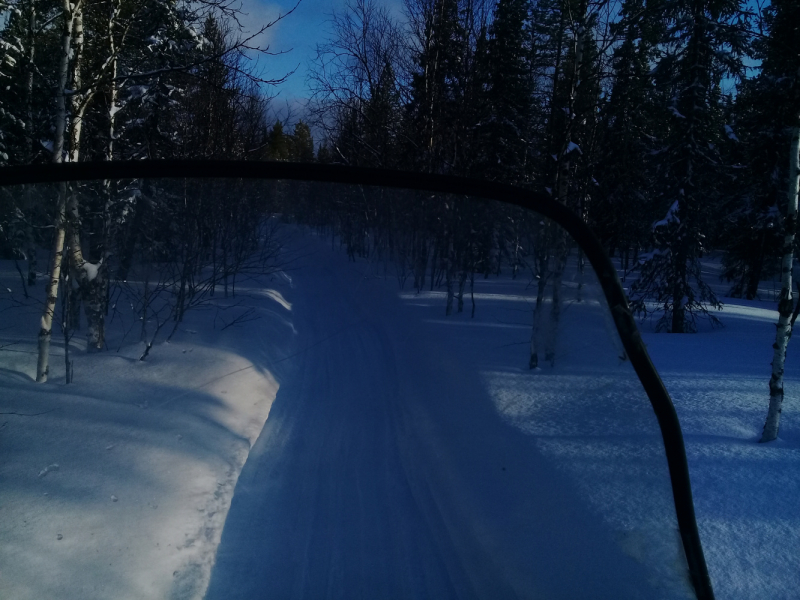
{"x":29,"y":69}
{"x":78,"y":101}
{"x":30,"y":240}
{"x":97,"y":299}
{"x":563,"y":184}
{"x":784,"y":328}
{"x":113,"y":87}
{"x":46,"y":325}
{"x":63,"y":77}
{"x":46,"y":328}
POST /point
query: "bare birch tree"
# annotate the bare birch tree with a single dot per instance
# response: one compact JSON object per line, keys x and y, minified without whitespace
{"x":69,"y":11}
{"x":77,"y":85}
{"x":784,"y":327}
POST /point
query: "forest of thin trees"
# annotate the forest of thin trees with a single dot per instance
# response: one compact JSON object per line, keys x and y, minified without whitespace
{"x":130,"y":80}
{"x":665,"y":124}
{"x":669,"y":126}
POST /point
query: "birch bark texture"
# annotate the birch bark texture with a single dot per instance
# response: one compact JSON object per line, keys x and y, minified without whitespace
{"x":56,"y":256}
{"x":785,"y":306}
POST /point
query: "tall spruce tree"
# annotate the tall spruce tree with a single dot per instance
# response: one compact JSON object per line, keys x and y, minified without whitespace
{"x":302,"y":143}
{"x":752,"y":235}
{"x":509,"y":97}
{"x":764,"y":112}
{"x":700,"y":51}
{"x":624,"y":200}
{"x":433,"y":113}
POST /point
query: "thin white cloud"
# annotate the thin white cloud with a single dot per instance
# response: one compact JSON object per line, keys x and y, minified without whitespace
{"x":255,"y":15}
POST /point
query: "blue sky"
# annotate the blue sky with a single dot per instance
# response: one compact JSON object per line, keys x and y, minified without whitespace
{"x":298,"y":34}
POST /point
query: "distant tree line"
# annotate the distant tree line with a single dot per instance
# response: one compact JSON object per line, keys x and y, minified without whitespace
{"x":670,"y":126}
{"x":640,"y":115}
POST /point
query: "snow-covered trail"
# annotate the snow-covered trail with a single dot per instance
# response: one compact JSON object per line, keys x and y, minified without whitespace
{"x":384,"y":471}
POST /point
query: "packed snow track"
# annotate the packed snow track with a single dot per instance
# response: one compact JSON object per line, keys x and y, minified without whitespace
{"x":384,"y":471}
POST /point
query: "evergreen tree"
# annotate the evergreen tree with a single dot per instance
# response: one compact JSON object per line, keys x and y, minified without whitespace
{"x":26,"y":47}
{"x":279,"y":145}
{"x":751,"y":236}
{"x":624,"y":200}
{"x":302,"y":143}
{"x":510,"y":93}
{"x":325,"y":155}
{"x":434,"y":114}
{"x":379,"y":118}
{"x":700,"y":53}
{"x":764,"y":112}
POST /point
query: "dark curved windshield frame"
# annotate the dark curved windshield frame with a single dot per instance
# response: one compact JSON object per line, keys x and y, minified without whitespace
{"x":540,"y":203}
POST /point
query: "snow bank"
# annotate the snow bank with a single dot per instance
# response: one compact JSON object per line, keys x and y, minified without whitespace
{"x":117,"y":486}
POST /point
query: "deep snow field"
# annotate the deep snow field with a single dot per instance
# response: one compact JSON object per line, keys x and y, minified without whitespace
{"x":117,"y":485}
{"x":407,"y":454}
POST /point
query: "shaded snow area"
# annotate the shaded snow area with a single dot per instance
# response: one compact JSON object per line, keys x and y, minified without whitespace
{"x":746,"y":493}
{"x":117,"y":485}
{"x":406,"y":454}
